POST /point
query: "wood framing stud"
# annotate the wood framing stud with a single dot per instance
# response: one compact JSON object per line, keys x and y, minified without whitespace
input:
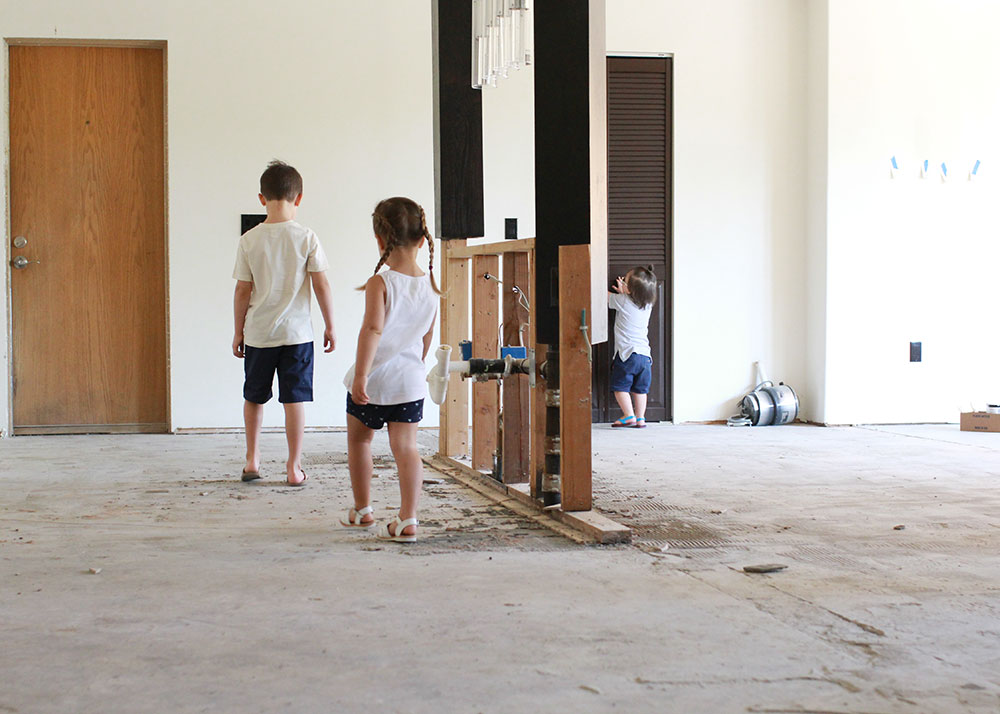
{"x":537,"y":409}
{"x":575,"y":376}
{"x":516,"y":408}
{"x":453,"y":432}
{"x":485,"y":323}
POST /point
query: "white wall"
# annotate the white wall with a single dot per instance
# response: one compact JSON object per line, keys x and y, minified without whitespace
{"x":739,"y":190}
{"x":911,"y":259}
{"x":509,"y":154}
{"x":340,"y":89}
{"x":791,"y":243}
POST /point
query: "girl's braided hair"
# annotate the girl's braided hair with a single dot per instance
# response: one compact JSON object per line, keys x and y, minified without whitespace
{"x":402,"y":222}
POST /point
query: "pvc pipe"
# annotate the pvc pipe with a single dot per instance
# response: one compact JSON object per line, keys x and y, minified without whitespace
{"x":437,"y":378}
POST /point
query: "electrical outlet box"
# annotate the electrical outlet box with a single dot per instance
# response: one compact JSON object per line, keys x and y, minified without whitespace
{"x":510,"y":228}
{"x":915,"y":349}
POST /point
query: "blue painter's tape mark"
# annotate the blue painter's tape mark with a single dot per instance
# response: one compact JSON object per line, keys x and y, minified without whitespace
{"x":894,"y":164}
{"x":944,"y":169}
{"x":975,"y":168}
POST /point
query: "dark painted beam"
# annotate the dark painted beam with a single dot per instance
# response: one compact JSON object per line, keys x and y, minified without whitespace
{"x":570,"y":152}
{"x":458,"y":124}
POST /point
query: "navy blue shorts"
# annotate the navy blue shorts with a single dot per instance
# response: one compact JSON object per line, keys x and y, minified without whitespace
{"x":374,"y":416}
{"x":632,"y":375}
{"x":294,"y":365}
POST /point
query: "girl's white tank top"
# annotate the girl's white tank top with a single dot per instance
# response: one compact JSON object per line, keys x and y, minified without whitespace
{"x":397,"y":374}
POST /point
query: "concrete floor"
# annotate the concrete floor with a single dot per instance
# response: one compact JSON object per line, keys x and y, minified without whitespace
{"x":217,"y":596}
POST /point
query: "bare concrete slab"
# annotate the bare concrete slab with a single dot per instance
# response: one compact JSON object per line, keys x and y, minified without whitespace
{"x":219,"y":596}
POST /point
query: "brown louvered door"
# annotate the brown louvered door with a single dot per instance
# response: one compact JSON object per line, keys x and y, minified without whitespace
{"x":639,"y":212}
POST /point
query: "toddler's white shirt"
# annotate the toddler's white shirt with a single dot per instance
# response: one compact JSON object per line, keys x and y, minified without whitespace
{"x":277,"y":258}
{"x":631,"y":326}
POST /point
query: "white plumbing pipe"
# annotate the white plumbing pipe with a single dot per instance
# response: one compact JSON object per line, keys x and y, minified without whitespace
{"x":437,"y":378}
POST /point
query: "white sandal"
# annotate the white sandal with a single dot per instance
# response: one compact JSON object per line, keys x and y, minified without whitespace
{"x":354,"y":517}
{"x":399,"y":536}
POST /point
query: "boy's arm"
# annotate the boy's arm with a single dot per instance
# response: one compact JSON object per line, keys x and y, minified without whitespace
{"x":371,"y":332}
{"x":241,"y":303}
{"x":324,"y":296}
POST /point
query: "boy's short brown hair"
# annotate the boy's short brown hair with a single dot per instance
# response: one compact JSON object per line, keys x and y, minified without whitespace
{"x":280,"y":182}
{"x":642,"y":285}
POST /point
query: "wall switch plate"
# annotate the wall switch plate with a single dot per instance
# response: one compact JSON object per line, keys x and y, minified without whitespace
{"x":915,"y":349}
{"x":510,"y":228}
{"x":249,"y":220}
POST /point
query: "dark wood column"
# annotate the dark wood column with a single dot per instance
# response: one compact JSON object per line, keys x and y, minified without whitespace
{"x":458,"y":124}
{"x":570,"y":153}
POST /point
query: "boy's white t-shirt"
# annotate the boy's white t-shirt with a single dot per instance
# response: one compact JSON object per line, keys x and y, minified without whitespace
{"x":397,"y":373}
{"x":631,"y":326}
{"x":276,"y":258}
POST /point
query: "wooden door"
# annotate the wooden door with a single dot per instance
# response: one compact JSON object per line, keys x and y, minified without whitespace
{"x":87,"y":196}
{"x":639,"y":212}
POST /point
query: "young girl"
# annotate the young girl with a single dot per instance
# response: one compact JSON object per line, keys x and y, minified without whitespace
{"x":631,"y":369}
{"x":387,"y":383}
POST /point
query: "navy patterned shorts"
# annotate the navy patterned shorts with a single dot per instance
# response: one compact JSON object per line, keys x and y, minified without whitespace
{"x":374,"y":416}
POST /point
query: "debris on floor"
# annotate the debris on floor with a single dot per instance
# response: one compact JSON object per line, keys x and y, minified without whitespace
{"x":764,"y":568}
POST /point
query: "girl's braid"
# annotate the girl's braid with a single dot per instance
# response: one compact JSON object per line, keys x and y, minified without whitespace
{"x":430,"y":246}
{"x":386,"y":233}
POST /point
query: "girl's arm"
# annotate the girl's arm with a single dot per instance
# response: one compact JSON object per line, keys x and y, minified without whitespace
{"x":427,"y":341}
{"x":371,"y":332}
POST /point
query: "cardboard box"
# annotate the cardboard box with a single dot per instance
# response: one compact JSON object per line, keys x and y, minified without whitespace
{"x":980,"y":421}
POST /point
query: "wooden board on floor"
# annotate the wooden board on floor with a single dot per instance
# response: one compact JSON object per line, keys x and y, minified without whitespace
{"x":516,"y":408}
{"x":583,"y":525}
{"x":575,"y":377}
{"x":485,"y":326}
{"x":453,"y":434}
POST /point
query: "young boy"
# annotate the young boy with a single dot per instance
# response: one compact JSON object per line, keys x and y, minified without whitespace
{"x":631,"y":369}
{"x":275,"y":263}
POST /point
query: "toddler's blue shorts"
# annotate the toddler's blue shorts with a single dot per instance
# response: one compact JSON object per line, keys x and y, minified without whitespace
{"x":374,"y":416}
{"x":632,"y":375}
{"x":294,"y":365}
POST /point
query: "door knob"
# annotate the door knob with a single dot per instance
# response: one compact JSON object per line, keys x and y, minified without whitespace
{"x":20,"y":262}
